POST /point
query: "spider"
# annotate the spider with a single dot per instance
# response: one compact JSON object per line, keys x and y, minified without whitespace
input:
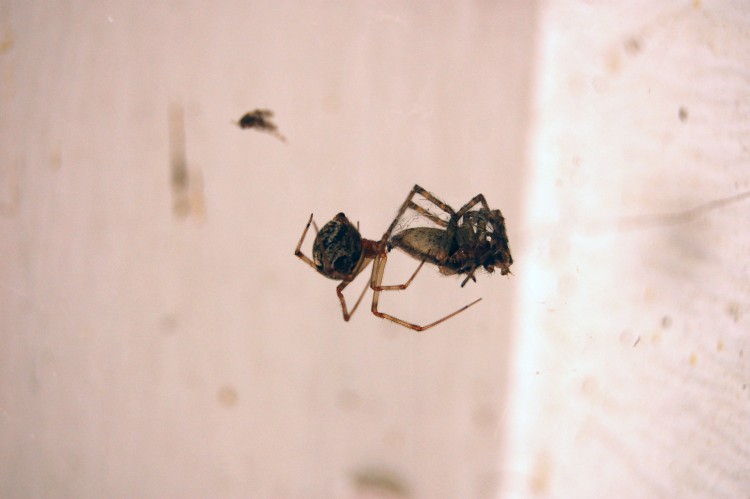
{"x":470,"y":239}
{"x":340,"y":253}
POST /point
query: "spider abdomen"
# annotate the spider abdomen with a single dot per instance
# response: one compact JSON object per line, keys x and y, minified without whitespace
{"x":337,"y":250}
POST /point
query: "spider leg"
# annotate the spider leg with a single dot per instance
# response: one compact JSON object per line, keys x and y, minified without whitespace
{"x":475,"y":221}
{"x":340,"y":294}
{"x":398,"y":216}
{"x":479,"y":198}
{"x":393,"y":287}
{"x":470,"y":276}
{"x":376,"y":285}
{"x":409,"y":203}
{"x":427,"y":214}
{"x":298,"y":251}
{"x":434,"y":200}
{"x":340,"y":288}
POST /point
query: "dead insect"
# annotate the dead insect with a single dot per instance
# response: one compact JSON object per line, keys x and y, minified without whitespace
{"x":469,"y":240}
{"x":260,"y":119}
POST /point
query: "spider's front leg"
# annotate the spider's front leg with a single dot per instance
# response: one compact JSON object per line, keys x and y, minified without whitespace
{"x":298,"y":251}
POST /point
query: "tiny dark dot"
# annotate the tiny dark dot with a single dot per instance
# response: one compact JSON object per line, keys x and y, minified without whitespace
{"x":633,"y":46}
{"x":682,"y":114}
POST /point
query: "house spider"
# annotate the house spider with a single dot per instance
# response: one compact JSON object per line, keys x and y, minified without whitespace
{"x":340,"y":253}
{"x":468,"y":240}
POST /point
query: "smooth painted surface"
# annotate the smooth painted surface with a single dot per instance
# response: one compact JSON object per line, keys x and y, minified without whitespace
{"x":159,"y":338}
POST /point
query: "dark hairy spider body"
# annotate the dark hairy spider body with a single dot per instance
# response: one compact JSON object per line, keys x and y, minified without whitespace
{"x":469,"y":240}
{"x":340,"y":253}
{"x":337,"y":250}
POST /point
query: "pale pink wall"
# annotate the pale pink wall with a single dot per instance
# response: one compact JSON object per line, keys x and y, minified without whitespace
{"x":147,"y":353}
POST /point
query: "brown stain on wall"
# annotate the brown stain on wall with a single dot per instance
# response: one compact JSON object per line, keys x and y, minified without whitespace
{"x":227,"y":396}
{"x":187,"y":186}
